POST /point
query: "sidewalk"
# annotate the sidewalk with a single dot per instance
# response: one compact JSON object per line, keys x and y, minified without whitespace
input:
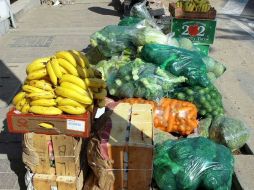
{"x":45,"y":30}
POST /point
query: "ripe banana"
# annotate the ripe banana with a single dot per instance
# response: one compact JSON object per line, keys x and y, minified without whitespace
{"x":63,"y":70}
{"x":68,"y":102}
{"x":179,"y":4}
{"x":56,"y":68}
{"x":41,"y":95}
{"x":67,"y":93}
{"x":78,"y":59}
{"x":43,"y":102}
{"x":59,"y":98}
{"x":38,"y":74}
{"x":81,"y":72}
{"x":42,"y":84}
{"x":100,"y":95}
{"x":25,"y":108}
{"x":46,"y":125}
{"x":74,"y":87}
{"x":51,"y":73}
{"x":18,"y":97}
{"x":72,"y":110}
{"x":101,"y":103}
{"x":205,"y":8}
{"x":67,"y":56}
{"x":85,"y":59}
{"x":68,"y":66}
{"x":20,"y":104}
{"x":95,"y":82}
{"x":73,"y":79}
{"x":45,"y":110}
{"x":30,"y":89}
{"x":90,"y":72}
{"x":37,"y":64}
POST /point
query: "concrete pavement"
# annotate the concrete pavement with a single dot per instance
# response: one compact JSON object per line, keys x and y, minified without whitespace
{"x":45,"y":30}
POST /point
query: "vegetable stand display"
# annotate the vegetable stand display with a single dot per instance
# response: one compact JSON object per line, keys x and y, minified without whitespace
{"x":161,"y":119}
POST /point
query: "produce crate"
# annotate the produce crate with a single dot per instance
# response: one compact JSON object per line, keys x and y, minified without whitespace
{"x":199,"y":31}
{"x":129,"y":138}
{"x":53,"y":154}
{"x":72,"y":125}
{"x":180,"y":13}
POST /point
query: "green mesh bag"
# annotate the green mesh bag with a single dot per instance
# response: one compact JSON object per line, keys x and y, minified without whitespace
{"x":178,"y":61}
{"x":193,"y":163}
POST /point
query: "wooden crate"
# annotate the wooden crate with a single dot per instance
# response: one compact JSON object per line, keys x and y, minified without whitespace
{"x":130,"y":146}
{"x":44,"y":181}
{"x":52,"y":154}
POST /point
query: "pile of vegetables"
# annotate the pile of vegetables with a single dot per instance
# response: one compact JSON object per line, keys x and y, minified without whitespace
{"x":207,"y":99}
{"x":193,"y":163}
{"x":171,"y":115}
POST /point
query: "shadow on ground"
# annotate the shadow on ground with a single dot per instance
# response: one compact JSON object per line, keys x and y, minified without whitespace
{"x":11,"y":164}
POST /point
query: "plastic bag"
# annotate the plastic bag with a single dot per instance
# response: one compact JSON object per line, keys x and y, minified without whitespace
{"x":130,"y":21}
{"x":113,"y":40}
{"x":207,"y":99}
{"x":178,"y":61}
{"x":203,"y":127}
{"x":139,"y":10}
{"x":171,"y":115}
{"x":230,"y":132}
{"x":193,"y":163}
{"x":140,"y":79}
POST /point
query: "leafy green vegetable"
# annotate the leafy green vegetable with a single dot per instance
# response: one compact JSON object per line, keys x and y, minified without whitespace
{"x":230,"y":132}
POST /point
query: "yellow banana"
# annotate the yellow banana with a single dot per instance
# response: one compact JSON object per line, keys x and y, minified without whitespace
{"x":20,"y":104}
{"x":67,"y":56}
{"x":95,"y":82}
{"x":18,"y":97}
{"x":78,"y":59}
{"x":85,"y":59}
{"x":74,"y":87}
{"x":30,"y":89}
{"x":38,"y":74}
{"x":68,"y":66}
{"x":100,"y":95}
{"x":37,"y":65}
{"x":56,"y":68}
{"x":42,"y":84}
{"x":68,"y":102}
{"x":45,"y":110}
{"x":81,"y":72}
{"x":43,"y":102}
{"x":25,"y":108}
{"x":59,"y":98}
{"x":52,"y":74}
{"x":67,"y":93}
{"x":72,"y":110}
{"x":101,"y":103}
{"x":41,"y":95}
{"x":46,"y":125}
{"x":73,"y":79}
{"x":86,"y":72}
{"x":63,"y":70}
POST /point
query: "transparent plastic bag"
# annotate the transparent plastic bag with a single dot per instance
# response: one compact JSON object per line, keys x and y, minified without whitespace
{"x":203,"y":127}
{"x":140,"y":79}
{"x":207,"y":99}
{"x":178,"y":61}
{"x":230,"y":132}
{"x":193,"y":163}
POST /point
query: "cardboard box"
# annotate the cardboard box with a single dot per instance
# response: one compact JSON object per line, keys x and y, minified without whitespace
{"x":71,"y":125}
{"x":128,"y":141}
{"x":45,"y":182}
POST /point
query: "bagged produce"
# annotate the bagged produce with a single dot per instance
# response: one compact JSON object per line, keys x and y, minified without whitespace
{"x":230,"y":132}
{"x":130,"y":21}
{"x":193,"y":163}
{"x":203,"y":127}
{"x":178,"y":61}
{"x":207,"y":99}
{"x":171,"y":115}
{"x":140,"y":79}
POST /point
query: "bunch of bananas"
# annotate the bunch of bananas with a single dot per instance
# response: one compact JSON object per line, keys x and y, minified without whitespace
{"x":194,"y":5}
{"x":64,"y":82}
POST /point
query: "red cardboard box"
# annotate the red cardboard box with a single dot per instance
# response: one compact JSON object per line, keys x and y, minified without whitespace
{"x":71,"y":125}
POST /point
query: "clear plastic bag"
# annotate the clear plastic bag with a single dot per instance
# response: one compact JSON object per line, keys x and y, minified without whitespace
{"x":230,"y":132}
{"x":207,"y":99}
{"x":178,"y":61}
{"x":140,"y":79}
{"x":193,"y":163}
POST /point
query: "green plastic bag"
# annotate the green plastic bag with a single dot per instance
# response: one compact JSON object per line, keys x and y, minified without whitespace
{"x":228,"y":131}
{"x":178,"y":61}
{"x":193,"y":163}
{"x":207,"y":99}
{"x":129,"y":21}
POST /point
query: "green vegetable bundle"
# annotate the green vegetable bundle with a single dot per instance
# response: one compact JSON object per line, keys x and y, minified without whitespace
{"x":231,"y":132}
{"x":207,"y":99}
{"x":140,"y":79}
{"x":193,"y":163}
